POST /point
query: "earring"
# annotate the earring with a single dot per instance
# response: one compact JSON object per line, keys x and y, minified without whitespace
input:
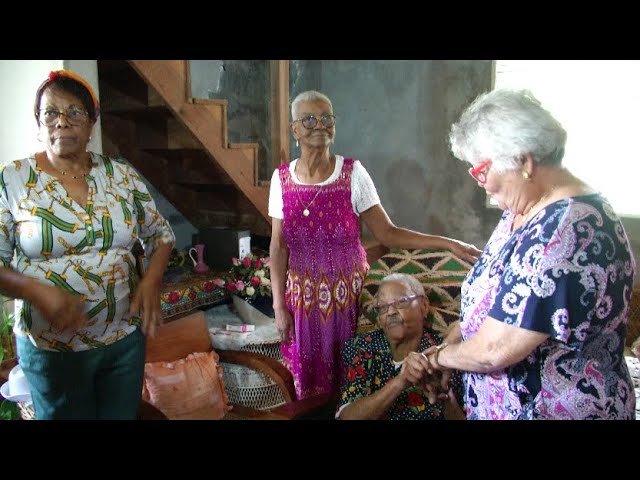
{"x":526,"y":175}
{"x":297,"y":143}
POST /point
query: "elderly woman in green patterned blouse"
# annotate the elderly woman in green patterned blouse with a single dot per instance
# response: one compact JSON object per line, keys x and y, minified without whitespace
{"x":385,"y":368}
{"x":71,"y":217}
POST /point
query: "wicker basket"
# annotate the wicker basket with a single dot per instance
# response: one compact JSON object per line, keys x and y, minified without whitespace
{"x":251,"y":388}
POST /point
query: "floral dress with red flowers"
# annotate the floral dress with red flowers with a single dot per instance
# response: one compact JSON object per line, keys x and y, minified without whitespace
{"x":369,"y":367}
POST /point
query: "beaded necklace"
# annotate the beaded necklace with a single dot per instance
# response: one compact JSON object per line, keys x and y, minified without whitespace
{"x":75,"y":177}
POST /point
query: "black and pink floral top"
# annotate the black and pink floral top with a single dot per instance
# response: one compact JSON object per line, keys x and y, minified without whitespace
{"x":568,"y":272}
{"x":369,"y":367}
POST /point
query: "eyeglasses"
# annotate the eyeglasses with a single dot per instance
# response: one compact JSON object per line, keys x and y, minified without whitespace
{"x":310,"y":121}
{"x":400,"y":304}
{"x":479,"y":173}
{"x":49,"y":117}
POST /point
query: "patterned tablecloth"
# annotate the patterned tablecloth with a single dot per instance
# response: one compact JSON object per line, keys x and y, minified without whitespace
{"x":186,"y":291}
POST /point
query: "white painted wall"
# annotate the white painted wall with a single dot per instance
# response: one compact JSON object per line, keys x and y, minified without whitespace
{"x":19,"y":80}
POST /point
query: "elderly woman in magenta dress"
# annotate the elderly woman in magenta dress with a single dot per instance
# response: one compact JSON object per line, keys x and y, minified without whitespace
{"x":317,"y":261}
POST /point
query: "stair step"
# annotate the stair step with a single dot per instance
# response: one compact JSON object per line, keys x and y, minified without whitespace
{"x":192,"y":166}
{"x":179,"y":137}
{"x":240,"y":146}
{"x":201,"y":185}
{"x":209,"y":101}
{"x":177,"y":153}
{"x":206,"y":121}
{"x":139,"y":111}
{"x":121,"y":85}
{"x":112,"y":66}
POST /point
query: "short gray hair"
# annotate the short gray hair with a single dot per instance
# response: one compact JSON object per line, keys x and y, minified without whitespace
{"x":503,"y":125}
{"x":409,"y":281}
{"x":307,"y":96}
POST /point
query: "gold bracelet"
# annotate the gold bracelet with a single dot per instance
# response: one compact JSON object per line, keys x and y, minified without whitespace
{"x":442,"y":346}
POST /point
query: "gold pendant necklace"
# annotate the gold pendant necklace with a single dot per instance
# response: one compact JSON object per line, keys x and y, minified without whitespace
{"x":306,"y":211}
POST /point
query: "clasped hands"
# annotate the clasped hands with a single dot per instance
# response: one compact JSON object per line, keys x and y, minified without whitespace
{"x":422,"y":370}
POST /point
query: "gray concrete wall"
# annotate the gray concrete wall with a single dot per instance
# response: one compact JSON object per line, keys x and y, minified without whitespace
{"x":394,"y":116}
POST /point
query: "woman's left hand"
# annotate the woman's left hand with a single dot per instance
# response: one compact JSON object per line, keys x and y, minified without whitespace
{"x":146,"y":303}
{"x":465,"y":251}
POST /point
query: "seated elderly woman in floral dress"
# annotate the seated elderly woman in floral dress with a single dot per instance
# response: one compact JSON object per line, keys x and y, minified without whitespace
{"x":384,"y":369}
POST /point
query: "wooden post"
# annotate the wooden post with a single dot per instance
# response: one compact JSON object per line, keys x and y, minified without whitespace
{"x":279,"y":112}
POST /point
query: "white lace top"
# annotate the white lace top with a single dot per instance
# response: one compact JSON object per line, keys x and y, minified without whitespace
{"x":363,"y":192}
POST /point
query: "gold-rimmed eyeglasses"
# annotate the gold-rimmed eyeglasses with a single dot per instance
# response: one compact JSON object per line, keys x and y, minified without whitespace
{"x":75,"y":116}
{"x":399,"y":304}
{"x":311,"y":121}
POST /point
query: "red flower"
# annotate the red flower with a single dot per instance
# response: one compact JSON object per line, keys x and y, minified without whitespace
{"x":351,"y":374}
{"x":414,"y":399}
{"x":257,"y":263}
{"x":246,"y":261}
{"x":208,"y":286}
{"x":255,"y":281}
{"x":231,"y":287}
{"x":173,"y":297}
{"x":360,"y":370}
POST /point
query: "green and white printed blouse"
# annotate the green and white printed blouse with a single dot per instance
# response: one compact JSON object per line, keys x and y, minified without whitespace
{"x":86,"y":251}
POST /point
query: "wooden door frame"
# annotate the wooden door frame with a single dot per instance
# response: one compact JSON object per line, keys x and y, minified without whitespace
{"x":280,"y":146}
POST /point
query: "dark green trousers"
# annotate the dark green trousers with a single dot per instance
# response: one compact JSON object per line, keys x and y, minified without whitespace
{"x":104,"y":383}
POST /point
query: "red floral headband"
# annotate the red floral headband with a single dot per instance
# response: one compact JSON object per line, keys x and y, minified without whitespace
{"x":74,"y":76}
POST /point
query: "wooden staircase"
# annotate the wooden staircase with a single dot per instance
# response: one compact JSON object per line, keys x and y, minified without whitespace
{"x":180,"y":144}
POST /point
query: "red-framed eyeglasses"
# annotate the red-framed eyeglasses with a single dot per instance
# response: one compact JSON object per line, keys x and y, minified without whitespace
{"x":479,"y":173}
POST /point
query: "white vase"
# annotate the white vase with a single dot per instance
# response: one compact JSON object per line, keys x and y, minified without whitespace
{"x":249,"y":314}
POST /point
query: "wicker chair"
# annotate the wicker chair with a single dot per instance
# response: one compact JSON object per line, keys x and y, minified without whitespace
{"x":178,"y":338}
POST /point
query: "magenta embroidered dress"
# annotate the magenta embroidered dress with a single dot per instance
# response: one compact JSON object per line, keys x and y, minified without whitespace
{"x":327,"y":266}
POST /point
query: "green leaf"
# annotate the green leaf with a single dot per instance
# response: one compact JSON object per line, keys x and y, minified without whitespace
{"x":9,"y":410}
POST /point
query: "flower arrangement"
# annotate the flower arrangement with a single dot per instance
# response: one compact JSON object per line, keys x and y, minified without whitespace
{"x":250,"y":277}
